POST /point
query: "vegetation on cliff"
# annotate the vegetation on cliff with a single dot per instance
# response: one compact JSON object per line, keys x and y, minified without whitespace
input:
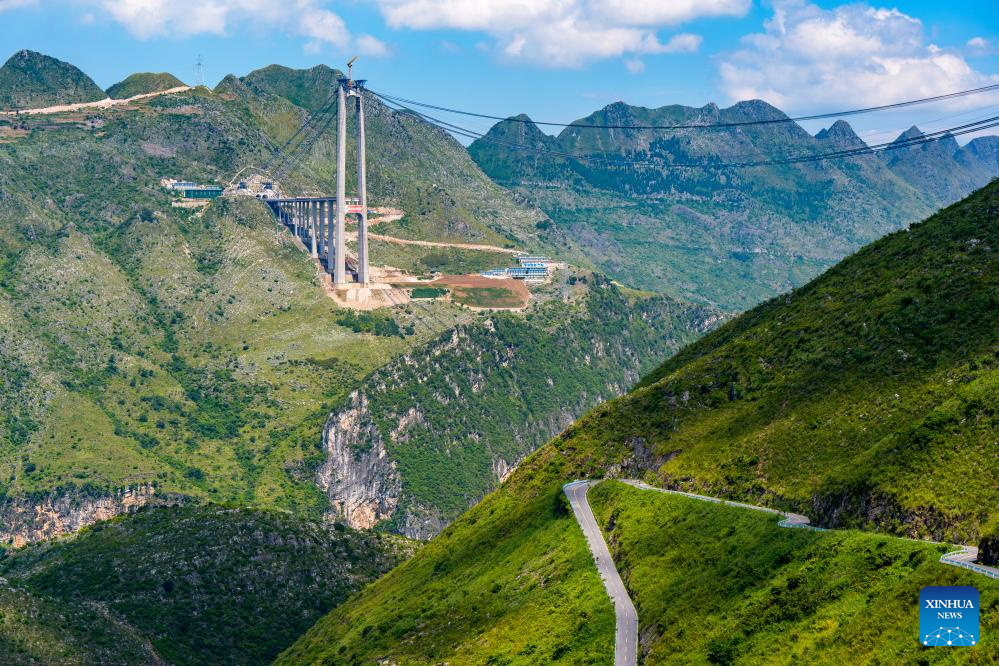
{"x":460,"y":412}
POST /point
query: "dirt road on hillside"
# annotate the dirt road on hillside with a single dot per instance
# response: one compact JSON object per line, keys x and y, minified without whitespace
{"x":460,"y":246}
{"x":100,"y":104}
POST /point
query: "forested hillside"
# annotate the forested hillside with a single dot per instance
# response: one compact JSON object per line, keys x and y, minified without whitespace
{"x":731,"y":237}
{"x":428,"y":434}
{"x":182,"y":585}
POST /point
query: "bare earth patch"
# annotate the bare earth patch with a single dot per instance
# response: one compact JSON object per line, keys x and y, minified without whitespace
{"x":477,"y":291}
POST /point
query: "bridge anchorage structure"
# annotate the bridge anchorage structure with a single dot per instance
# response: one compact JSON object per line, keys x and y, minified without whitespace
{"x":319,"y":221}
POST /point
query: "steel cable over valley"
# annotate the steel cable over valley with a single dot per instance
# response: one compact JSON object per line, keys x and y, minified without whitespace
{"x":768,"y":121}
{"x":967,"y":128}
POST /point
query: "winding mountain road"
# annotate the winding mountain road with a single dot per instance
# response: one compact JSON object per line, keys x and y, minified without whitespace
{"x":626,"y":636}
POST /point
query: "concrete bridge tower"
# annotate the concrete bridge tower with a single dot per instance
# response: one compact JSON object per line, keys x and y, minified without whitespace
{"x":348,"y":87}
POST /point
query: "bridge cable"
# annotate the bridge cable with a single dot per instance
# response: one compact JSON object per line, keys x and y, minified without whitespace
{"x":303,"y":127}
{"x":967,"y":128}
{"x":308,"y":141}
{"x":742,"y":123}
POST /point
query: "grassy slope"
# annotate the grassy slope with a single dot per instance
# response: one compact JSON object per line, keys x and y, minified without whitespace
{"x":510,"y":582}
{"x":854,"y":398}
{"x":142,"y":83}
{"x":725,"y":585}
{"x":423,"y":598}
{"x":202,"y":584}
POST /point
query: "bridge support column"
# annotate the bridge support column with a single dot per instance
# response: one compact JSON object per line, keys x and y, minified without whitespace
{"x":340,"y":269}
{"x":329,"y":236}
{"x":313,"y":231}
{"x":320,"y":233}
{"x":362,"y":194}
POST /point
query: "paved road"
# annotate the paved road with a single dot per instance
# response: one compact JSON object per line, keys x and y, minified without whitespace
{"x":965,"y":558}
{"x":626,"y":635}
{"x":790,"y":519}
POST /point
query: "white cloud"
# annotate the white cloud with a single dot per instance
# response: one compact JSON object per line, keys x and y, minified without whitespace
{"x":666,"y":12}
{"x":14,"y":4}
{"x":564,"y":33}
{"x":370,"y":46}
{"x":183,"y":18}
{"x":977,"y":43}
{"x":856,"y":54}
{"x":683,"y":43}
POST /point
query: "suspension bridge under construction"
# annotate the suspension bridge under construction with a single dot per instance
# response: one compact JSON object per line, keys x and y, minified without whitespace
{"x":320,"y":222}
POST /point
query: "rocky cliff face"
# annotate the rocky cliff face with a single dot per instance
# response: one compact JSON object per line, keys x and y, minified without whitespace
{"x":359,"y":478}
{"x":28,"y":519}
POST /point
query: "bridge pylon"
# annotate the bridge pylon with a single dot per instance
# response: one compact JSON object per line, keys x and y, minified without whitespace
{"x":348,"y":87}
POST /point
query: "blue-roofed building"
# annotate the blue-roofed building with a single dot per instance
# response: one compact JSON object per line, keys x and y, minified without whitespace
{"x":531,"y":268}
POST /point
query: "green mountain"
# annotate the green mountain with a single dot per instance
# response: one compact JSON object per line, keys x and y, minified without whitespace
{"x":189,"y":585}
{"x":428,"y":434}
{"x":142,"y":83}
{"x":731,"y":237}
{"x":865,"y":398}
{"x":32,"y":80}
{"x":941,"y":168}
{"x":150,"y":352}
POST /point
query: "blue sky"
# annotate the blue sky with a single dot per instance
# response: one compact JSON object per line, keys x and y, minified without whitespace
{"x":554,"y":59}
